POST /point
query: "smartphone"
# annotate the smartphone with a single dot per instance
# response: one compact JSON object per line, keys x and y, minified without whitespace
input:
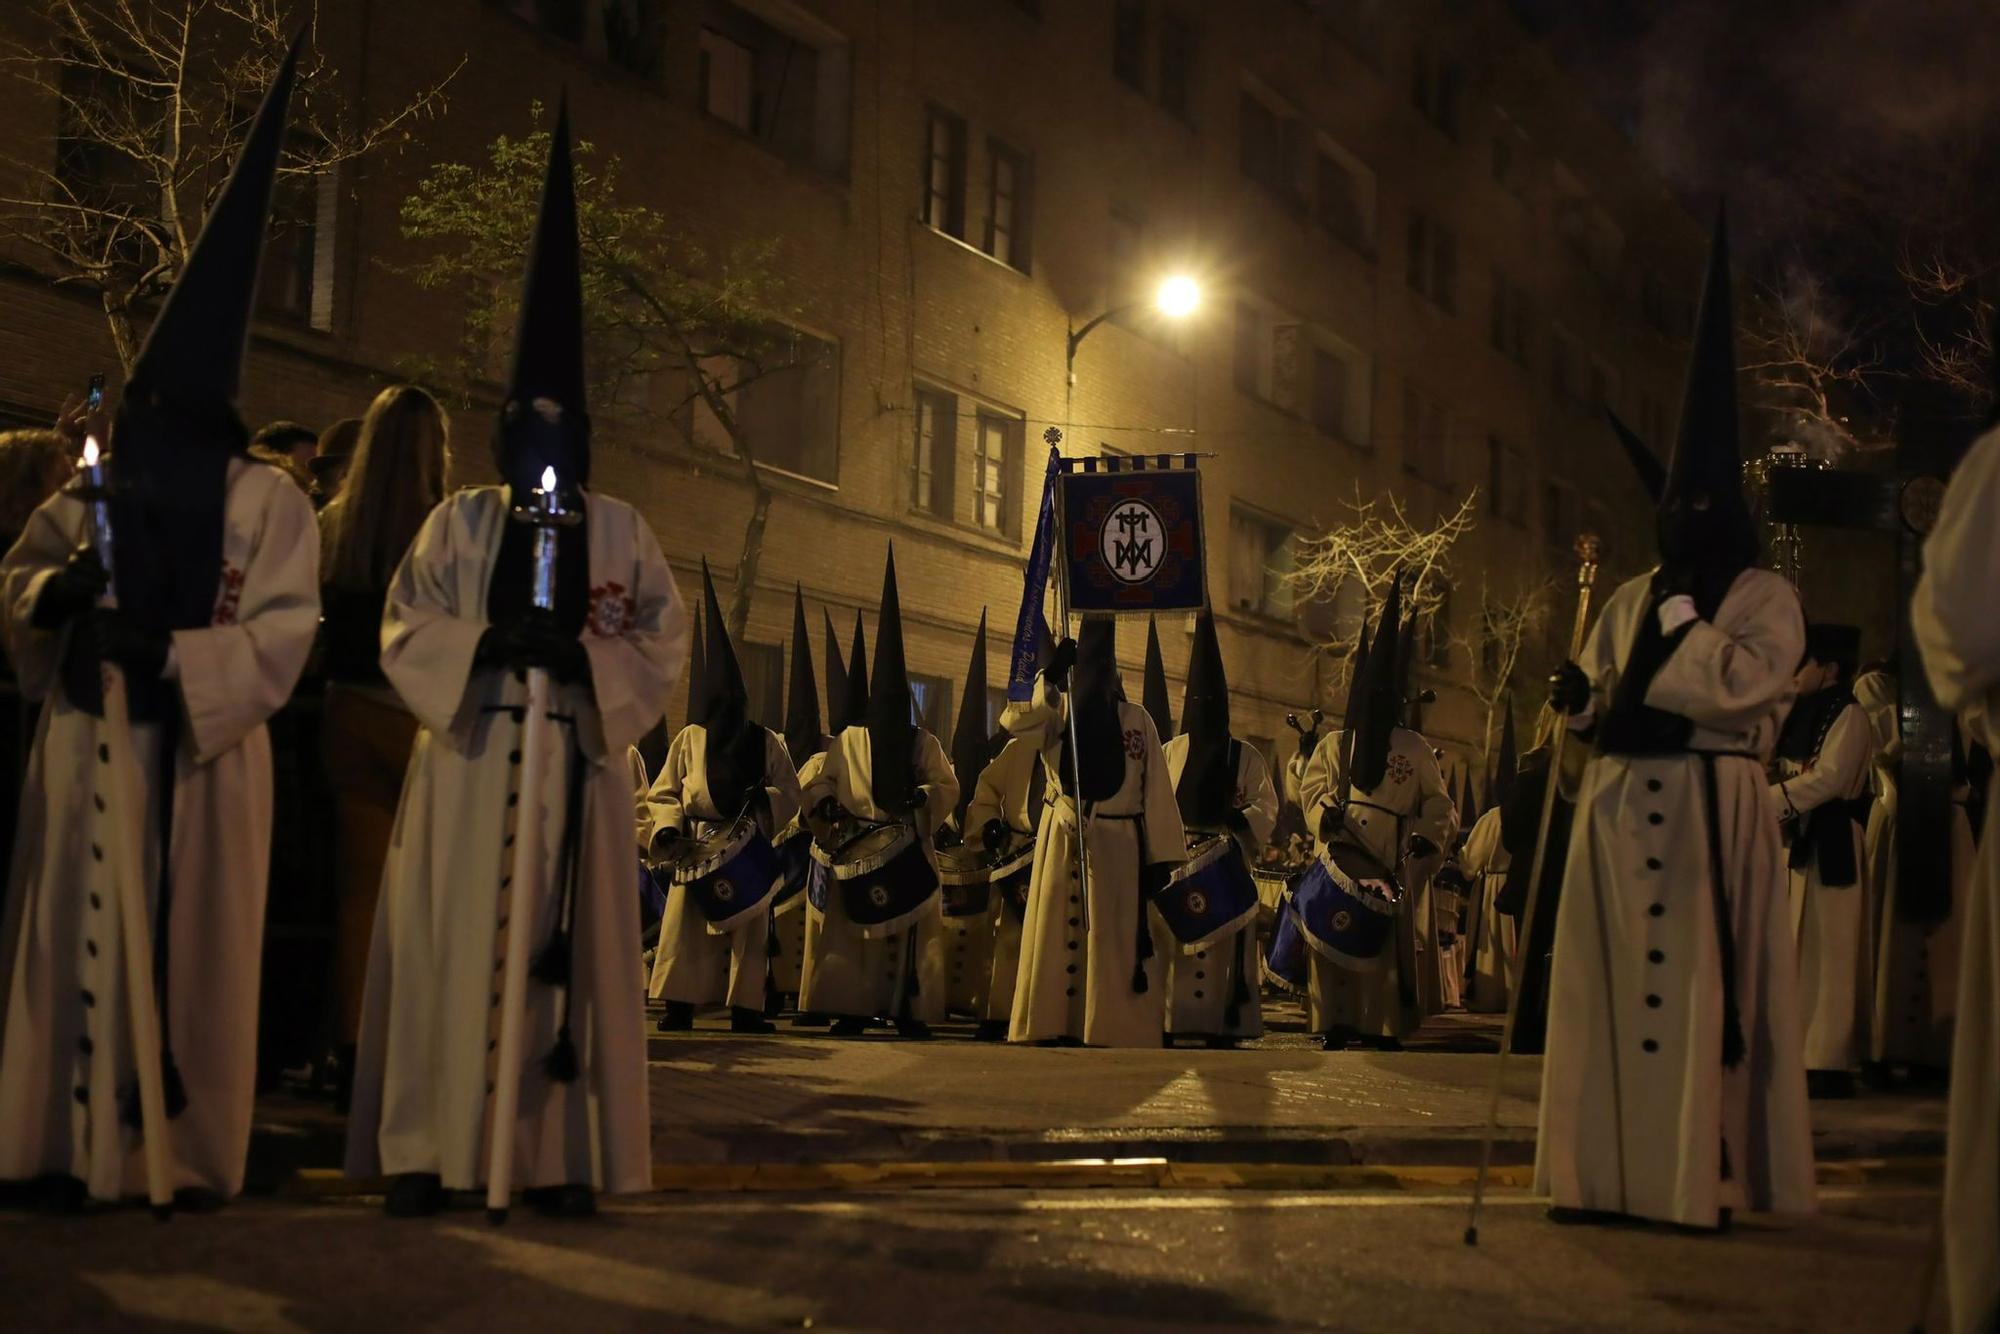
{"x":93,"y":397}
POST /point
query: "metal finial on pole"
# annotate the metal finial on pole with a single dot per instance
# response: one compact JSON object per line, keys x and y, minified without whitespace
{"x":1588,"y":548}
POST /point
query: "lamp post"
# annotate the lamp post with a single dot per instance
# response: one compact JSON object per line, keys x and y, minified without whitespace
{"x":1177,"y":297}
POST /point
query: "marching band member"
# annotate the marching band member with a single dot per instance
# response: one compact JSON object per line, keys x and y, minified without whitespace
{"x":1388,"y":797}
{"x":805,"y":742}
{"x":1433,"y":906}
{"x":1088,"y":973}
{"x":457,"y":633}
{"x":968,"y":937}
{"x":881,"y":768}
{"x":1823,"y":758}
{"x":215,"y":572}
{"x":1222,"y":785}
{"x":1491,"y":970}
{"x":1952,"y":614}
{"x":1153,"y":684}
{"x":1673,"y":1088}
{"x":719,"y":768}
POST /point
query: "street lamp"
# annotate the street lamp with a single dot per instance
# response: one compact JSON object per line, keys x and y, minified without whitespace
{"x":1178,"y":297}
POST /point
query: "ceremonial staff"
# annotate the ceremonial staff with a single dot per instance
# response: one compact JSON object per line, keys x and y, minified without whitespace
{"x":122,"y":810}
{"x":1587,"y":549}
{"x":544,"y":509}
{"x":1054,"y":437}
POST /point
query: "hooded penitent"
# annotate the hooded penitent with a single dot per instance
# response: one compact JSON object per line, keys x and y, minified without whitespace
{"x":836,"y":680}
{"x":1096,"y":691}
{"x":177,"y":427}
{"x":970,"y":746}
{"x":544,"y":421}
{"x":1207,"y":787}
{"x":735,"y":750}
{"x":1507,"y":761}
{"x":1411,"y":710}
{"x":697,"y":691}
{"x":1376,"y":699}
{"x":891,"y":735}
{"x":855,"y":701}
{"x":803,"y":737}
{"x":1153,"y":687}
{"x":1651,"y":472}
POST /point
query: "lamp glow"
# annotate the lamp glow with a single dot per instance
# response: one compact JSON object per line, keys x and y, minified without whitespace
{"x":548,"y":479}
{"x":1178,"y":296}
{"x":90,"y":451}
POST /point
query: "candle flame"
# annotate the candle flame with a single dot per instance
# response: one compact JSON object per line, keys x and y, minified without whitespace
{"x":90,"y":451}
{"x":548,"y":479}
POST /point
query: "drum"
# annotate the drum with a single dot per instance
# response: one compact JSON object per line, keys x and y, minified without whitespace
{"x":1285,"y":965}
{"x":964,"y":873}
{"x":730,"y":874}
{"x":1012,"y":869}
{"x":795,"y":854}
{"x":1210,"y":895}
{"x":1347,"y":905}
{"x":883,"y":876}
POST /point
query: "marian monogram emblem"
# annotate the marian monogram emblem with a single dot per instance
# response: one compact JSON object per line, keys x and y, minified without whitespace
{"x":1133,"y":541}
{"x":1342,"y":920}
{"x":879,"y":895}
{"x":612,"y":611}
{"x":723,"y":890}
{"x":1197,"y":902}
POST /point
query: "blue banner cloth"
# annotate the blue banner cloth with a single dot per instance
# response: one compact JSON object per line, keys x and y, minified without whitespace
{"x":1021,"y":669}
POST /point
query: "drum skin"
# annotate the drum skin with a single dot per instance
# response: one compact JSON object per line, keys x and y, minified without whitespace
{"x":1346,"y":905}
{"x":1209,"y":896}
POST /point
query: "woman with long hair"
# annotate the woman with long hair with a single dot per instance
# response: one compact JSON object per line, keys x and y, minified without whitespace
{"x":395,"y":480}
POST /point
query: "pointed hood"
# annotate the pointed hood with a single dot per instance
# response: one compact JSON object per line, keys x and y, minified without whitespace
{"x":1706,"y":532}
{"x":836,"y":680}
{"x":803,"y":736}
{"x":545,"y":419}
{"x":969,"y":742}
{"x":1409,"y":708}
{"x":1096,"y":690}
{"x":1153,"y":689}
{"x":891,"y":734}
{"x":1508,"y":760}
{"x":855,"y":699}
{"x":1207,"y":786}
{"x":735,"y":741}
{"x":1651,"y":472}
{"x":696,"y":689}
{"x":177,"y":426}
{"x":1380,"y":701}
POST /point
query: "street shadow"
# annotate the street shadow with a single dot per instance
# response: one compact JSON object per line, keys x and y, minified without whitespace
{"x":1138,"y":1299}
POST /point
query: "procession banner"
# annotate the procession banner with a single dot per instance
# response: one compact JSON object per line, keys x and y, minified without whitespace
{"x":1132,"y":540}
{"x":1021,"y":669}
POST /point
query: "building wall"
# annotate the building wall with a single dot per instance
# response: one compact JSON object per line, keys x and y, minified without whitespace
{"x":906,"y":304}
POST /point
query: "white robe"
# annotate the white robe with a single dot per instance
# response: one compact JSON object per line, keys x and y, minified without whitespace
{"x":696,"y":965}
{"x":789,"y":920}
{"x":1200,"y":982}
{"x":1831,"y":924}
{"x":1002,"y":794}
{"x":1411,"y":800}
{"x":430,"y":1015}
{"x":1637,"y":1107}
{"x":1492,"y":936}
{"x":1953,"y":617}
{"x":64,"y":1035}
{"x":847,"y":975}
{"x":1078,"y":958}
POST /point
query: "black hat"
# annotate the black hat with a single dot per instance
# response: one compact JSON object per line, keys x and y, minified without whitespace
{"x":1153,"y":689}
{"x":722,"y":676}
{"x":177,"y":426}
{"x":836,"y":680}
{"x":1381,"y":703}
{"x":891,"y":735}
{"x":1705,"y":525}
{"x":1410,"y":708}
{"x":969,"y":743}
{"x":544,"y":419}
{"x":1651,"y":472}
{"x":696,"y":690}
{"x":1207,"y":787}
{"x":855,"y":699}
{"x":1827,"y":642}
{"x":1508,"y":759}
{"x":735,"y":742}
{"x":1096,"y":690}
{"x":803,"y":737}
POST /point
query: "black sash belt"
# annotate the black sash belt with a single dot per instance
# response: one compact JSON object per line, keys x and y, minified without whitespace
{"x":1725,"y":928}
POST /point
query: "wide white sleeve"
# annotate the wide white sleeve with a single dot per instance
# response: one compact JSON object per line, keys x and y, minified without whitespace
{"x":1319,"y":780}
{"x":1952,"y":610}
{"x":428,"y":640}
{"x":1255,"y":797}
{"x":53,"y":532}
{"x":1039,"y":719}
{"x":1166,"y":837}
{"x":234,"y":676}
{"x":666,"y":807}
{"x":1436,"y":815}
{"x":936,"y":781}
{"x":631,"y":670}
{"x":1730,"y":681}
{"x":642,"y":819}
{"x":1839,"y":769}
{"x":781,"y":782}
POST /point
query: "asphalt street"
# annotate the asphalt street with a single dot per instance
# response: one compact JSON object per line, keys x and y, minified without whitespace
{"x":1000,"y":1260}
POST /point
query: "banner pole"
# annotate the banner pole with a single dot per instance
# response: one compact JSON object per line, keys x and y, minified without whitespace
{"x":1069,"y":730}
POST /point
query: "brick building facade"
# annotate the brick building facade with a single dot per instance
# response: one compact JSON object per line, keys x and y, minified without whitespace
{"x":1425,"y":265}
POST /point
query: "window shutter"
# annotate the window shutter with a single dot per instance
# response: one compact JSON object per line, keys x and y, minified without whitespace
{"x":944,"y":457}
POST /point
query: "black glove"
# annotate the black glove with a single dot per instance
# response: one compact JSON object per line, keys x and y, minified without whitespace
{"x":545,"y":645}
{"x":70,"y":591}
{"x":1236,"y":821}
{"x":994,"y":835}
{"x":756,"y":799}
{"x":916,"y":801}
{"x":826,"y":810}
{"x":140,"y":649}
{"x":665,"y":840}
{"x":1153,"y":877}
{"x":1569,"y":690}
{"x":1672,"y":581}
{"x":1308,"y":743}
{"x":1451,"y":878}
{"x":504,"y":645}
{"x":1329,"y":823}
{"x":1421,"y":847}
{"x":947,"y":836}
{"x":1060,"y":663}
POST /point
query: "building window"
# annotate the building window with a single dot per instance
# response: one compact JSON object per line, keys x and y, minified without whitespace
{"x":1260,"y":556}
{"x":786,"y":87}
{"x":788,"y":410}
{"x":295,"y":282}
{"x":996,"y":704}
{"x":1506,"y":481}
{"x":994,"y":452}
{"x":1432,"y":259}
{"x":1426,"y":442}
{"x":1269,"y":145}
{"x":1128,"y":42}
{"x":1177,"y":64}
{"x":944,"y":174}
{"x":1437,"y":87}
{"x":1340,"y":388}
{"x":1559,"y":514}
{"x":1359,"y":25}
{"x":1565,"y":370}
{"x":1008,"y":211}
{"x":764,"y":681}
{"x":930,"y":703}
{"x":1507,"y":330}
{"x":1267,"y":355}
{"x":937,"y":443}
{"x":1343,"y":197}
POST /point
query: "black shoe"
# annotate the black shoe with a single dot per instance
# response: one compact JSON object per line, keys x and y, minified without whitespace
{"x":1829,"y":1084}
{"x":990,"y":1030}
{"x":1337,"y":1038}
{"x":749,"y":1021}
{"x":913,"y":1030}
{"x":414,"y":1195}
{"x":1386,"y":1044}
{"x":847,"y":1026}
{"x":344,"y":1057}
{"x":1878,"y":1076}
{"x":808,"y":1020}
{"x":571,"y":1201}
{"x":1219,"y":1042}
{"x":197,"y":1200}
{"x":1571,"y":1215}
{"x":63,"y":1194}
{"x":678,"y":1017}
